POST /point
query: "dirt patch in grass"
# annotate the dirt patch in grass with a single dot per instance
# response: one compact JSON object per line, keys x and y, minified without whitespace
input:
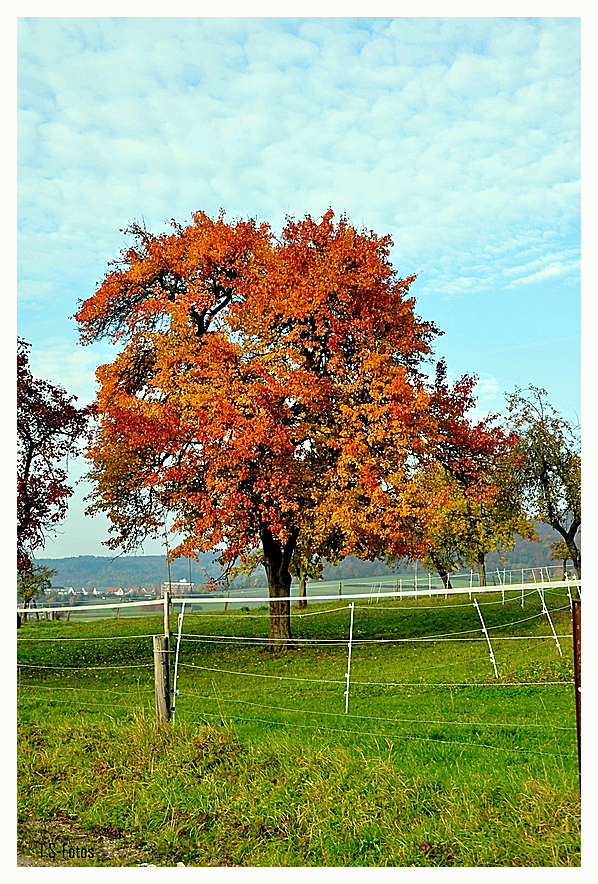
{"x":60,"y":842}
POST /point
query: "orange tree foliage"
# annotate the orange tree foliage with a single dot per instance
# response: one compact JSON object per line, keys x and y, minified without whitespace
{"x":268,"y":390}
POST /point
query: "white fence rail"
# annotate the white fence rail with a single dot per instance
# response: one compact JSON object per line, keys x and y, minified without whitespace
{"x":243,"y":704}
{"x":347,"y":592}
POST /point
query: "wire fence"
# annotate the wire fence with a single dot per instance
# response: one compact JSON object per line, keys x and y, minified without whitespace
{"x":329,"y":686}
{"x":416,"y":584}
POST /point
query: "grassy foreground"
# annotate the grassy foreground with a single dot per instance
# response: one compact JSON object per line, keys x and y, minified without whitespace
{"x":437,"y":762}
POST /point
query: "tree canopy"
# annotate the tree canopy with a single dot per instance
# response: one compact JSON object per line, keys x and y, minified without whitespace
{"x":470,"y":525}
{"x":550,"y":475}
{"x":49,"y":428}
{"x":271,"y":393}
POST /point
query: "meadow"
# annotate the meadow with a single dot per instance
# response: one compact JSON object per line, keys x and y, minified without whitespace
{"x":431,"y":760}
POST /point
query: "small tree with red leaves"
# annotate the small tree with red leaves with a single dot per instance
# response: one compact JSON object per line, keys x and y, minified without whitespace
{"x":49,"y":427}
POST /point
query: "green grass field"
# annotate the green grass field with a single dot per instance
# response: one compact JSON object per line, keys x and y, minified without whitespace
{"x":436,"y":763}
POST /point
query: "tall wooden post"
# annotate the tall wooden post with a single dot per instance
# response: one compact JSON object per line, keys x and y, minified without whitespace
{"x":576,"y":605}
{"x":162,"y":678}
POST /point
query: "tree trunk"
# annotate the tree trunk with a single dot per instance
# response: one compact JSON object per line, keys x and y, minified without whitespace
{"x":568,"y":535}
{"x":446,"y":580}
{"x":302,"y":588}
{"x":442,"y":572}
{"x":481,"y":565}
{"x":277,"y":559}
{"x":576,"y":559}
{"x":575,"y":555}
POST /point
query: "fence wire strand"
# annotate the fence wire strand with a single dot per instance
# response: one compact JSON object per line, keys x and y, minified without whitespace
{"x":382,"y":718}
{"x":67,"y":695}
{"x":404,"y":737}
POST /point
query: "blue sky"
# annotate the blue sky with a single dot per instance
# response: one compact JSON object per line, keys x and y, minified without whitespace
{"x":458,"y":136}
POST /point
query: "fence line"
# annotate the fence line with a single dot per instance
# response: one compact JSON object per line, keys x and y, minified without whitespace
{"x":87,"y":703}
{"x":436,"y":636}
{"x":78,"y":668}
{"x":209,"y":637}
{"x":464,"y":684}
{"x":545,"y":611}
{"x":239,"y":613}
{"x":470,"y":684}
{"x":361,"y":733}
{"x":262,"y":674}
{"x":406,"y":737}
{"x":339,"y":642}
{"x":47,"y":687}
{"x":467,"y":576}
{"x":373,"y":608}
{"x":68,"y":638}
{"x":143,"y":695}
{"x":434,"y":721}
{"x":393,"y":720}
{"x":412,"y":593}
{"x":300,"y":616}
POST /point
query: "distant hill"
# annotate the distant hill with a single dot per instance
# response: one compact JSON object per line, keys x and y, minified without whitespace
{"x":102,"y":572}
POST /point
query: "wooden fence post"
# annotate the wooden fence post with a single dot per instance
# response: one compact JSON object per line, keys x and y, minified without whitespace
{"x":162,"y":678}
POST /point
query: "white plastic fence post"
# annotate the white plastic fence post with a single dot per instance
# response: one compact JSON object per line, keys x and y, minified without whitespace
{"x":176,"y":660}
{"x":485,"y":631}
{"x":545,"y":611}
{"x":350,"y":646}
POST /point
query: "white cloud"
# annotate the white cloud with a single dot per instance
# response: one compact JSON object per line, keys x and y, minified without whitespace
{"x":458,"y":136}
{"x":117,"y":119}
{"x":69,"y":366}
{"x":553,"y":271}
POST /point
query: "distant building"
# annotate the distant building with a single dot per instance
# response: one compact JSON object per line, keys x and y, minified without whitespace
{"x":178,"y":589}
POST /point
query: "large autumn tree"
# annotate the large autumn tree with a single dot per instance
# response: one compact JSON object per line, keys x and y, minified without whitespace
{"x":267,"y":388}
{"x":49,"y":430}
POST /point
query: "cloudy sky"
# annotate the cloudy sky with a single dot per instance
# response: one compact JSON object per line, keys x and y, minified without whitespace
{"x":458,"y":136}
